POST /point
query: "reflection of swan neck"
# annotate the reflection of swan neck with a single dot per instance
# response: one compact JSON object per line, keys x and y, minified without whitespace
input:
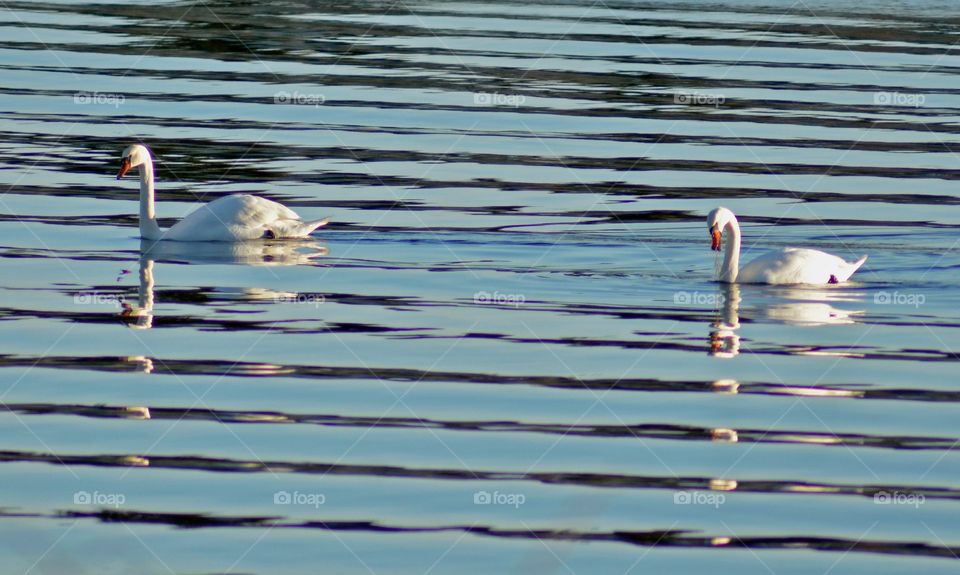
{"x":731,"y":306}
{"x":148,"y":217}
{"x":730,"y":386}
{"x":145,"y":364}
{"x":724,"y":344}
{"x":144,"y":311}
{"x":146,"y":285}
{"x":724,"y":341}
{"x":724,"y":435}
{"x":731,"y":256}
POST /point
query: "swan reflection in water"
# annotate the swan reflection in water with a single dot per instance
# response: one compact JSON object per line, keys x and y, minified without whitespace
{"x":254,"y":253}
{"x":724,"y":341}
{"x":804,"y":312}
{"x":811,"y":307}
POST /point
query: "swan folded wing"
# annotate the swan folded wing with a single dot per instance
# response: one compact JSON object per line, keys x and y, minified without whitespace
{"x":237,"y":217}
{"x":797,"y":266}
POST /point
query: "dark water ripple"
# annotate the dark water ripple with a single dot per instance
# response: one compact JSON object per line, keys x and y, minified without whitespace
{"x":555,"y":152}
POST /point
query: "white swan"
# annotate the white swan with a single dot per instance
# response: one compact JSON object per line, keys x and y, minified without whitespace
{"x":232,"y":218}
{"x":782,"y":266}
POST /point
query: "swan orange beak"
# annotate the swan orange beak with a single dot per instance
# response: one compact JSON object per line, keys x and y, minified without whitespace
{"x":715,"y":240}
{"x":124,"y":168}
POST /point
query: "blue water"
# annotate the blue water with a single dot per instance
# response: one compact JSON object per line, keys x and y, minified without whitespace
{"x":507,"y":352}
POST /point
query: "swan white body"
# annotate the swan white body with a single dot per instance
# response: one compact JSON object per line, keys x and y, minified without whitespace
{"x":232,"y":218}
{"x":783,"y":266}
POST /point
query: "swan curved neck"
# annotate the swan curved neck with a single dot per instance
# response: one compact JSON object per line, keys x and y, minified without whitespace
{"x":148,"y":217}
{"x":731,"y":258}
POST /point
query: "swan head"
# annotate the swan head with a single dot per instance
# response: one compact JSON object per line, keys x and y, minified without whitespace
{"x":717,"y":220}
{"x":133,"y":156}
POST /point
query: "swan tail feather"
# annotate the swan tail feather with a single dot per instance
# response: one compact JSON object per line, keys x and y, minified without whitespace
{"x":322,"y":222}
{"x":849,"y":269}
{"x":283,"y":229}
{"x":308,"y":228}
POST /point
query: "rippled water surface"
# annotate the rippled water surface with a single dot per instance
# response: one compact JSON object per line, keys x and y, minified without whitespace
{"x":506,"y":353}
